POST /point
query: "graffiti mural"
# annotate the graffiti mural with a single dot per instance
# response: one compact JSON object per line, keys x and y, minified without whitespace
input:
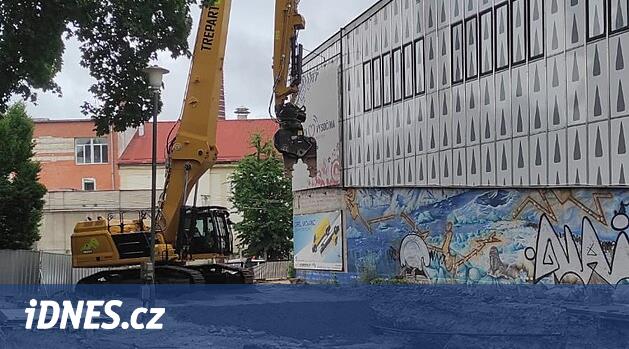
{"x":489,"y":235}
{"x":581,"y":259}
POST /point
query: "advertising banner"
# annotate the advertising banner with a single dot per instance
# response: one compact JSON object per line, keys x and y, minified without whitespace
{"x":320,"y":95}
{"x":318,"y":241}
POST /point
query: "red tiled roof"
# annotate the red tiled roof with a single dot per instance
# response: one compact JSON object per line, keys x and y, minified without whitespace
{"x":232,"y":140}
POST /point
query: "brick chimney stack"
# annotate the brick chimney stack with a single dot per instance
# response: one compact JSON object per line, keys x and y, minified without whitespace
{"x":242,"y":113}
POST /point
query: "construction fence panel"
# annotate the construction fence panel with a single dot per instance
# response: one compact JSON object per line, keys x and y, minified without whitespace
{"x":79,"y":273}
{"x":34,"y":267}
{"x":56,"y":269}
{"x":272,"y":270}
{"x":19,"y":267}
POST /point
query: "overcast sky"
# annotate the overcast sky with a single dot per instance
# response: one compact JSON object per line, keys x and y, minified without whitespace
{"x":248,"y":75}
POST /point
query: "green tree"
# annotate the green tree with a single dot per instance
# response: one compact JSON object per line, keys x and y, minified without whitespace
{"x":21,"y":195}
{"x":264,"y":198}
{"x":118,"y":38}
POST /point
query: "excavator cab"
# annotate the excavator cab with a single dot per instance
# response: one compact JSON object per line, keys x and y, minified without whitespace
{"x":204,"y":231}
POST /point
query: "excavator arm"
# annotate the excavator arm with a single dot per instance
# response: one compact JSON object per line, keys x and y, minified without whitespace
{"x":287,"y":71}
{"x":191,"y":153}
{"x":193,"y":150}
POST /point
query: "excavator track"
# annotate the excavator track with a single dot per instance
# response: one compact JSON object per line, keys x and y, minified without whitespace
{"x":225,"y":274}
{"x":173,"y":274}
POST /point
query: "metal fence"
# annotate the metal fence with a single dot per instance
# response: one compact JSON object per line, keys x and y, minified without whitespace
{"x":272,"y":270}
{"x":34,"y":268}
{"x":42,"y":268}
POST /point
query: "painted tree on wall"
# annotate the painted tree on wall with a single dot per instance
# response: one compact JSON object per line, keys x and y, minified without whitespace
{"x":21,"y":195}
{"x":264,"y":198}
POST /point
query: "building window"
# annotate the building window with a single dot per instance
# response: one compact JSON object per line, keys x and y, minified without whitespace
{"x":91,"y":151}
{"x":387,"y":79}
{"x":89,"y":184}
{"x":486,"y":43}
{"x":397,"y":75}
{"x":367,"y":86}
{"x":471,"y":51}
{"x":420,"y":84}
{"x":377,"y":82}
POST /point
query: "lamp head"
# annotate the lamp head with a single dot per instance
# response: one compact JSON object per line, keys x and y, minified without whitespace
{"x":155,"y":75}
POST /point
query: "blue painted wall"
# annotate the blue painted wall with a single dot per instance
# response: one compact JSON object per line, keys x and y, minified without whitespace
{"x":484,"y":236}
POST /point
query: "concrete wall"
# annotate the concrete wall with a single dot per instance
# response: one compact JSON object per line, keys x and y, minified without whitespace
{"x":64,"y":209}
{"x":320,"y":200}
{"x":214,"y":186}
{"x":138,"y":177}
{"x":485,"y":236}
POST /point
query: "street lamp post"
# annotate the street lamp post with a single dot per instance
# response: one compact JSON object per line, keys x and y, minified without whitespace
{"x":155,"y":75}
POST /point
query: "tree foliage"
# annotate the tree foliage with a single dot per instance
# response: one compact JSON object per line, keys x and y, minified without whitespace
{"x":264,"y":198}
{"x":21,"y":195}
{"x":118,"y":38}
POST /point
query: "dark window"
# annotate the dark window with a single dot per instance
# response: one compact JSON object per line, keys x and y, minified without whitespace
{"x":457,"y":53}
{"x":420,"y":82}
{"x":536,"y":29}
{"x":408,"y":73}
{"x":89,"y":184}
{"x":518,"y":32}
{"x":618,"y":15}
{"x":486,"y":43}
{"x":367,"y":86}
{"x":471,"y":48}
{"x":387,"y":78}
{"x":397,"y":75}
{"x":596,"y":19}
{"x":501,"y":30}
{"x":377,"y":82}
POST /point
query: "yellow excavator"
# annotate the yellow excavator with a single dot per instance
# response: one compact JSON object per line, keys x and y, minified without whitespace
{"x":190,"y":239}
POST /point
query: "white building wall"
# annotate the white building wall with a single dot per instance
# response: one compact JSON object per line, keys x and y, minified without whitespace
{"x":64,"y":209}
{"x":503,"y":93}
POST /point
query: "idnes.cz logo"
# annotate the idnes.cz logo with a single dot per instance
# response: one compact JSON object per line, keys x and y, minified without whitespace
{"x":86,"y":315}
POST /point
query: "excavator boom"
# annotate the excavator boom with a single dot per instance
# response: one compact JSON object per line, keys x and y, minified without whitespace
{"x":193,"y":150}
{"x":290,"y":140}
{"x":200,"y":233}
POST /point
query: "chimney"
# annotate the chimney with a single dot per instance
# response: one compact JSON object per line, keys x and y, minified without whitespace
{"x":141,"y":130}
{"x":242,"y":113}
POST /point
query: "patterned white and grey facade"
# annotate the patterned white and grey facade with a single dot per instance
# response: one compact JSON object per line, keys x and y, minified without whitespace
{"x":485,"y":93}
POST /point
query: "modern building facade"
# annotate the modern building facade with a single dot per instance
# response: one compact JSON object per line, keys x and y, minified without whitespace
{"x":482,"y":142}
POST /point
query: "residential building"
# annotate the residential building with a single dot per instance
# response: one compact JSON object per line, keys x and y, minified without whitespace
{"x":87,"y":175}
{"x":232,"y":141}
{"x":73,"y":157}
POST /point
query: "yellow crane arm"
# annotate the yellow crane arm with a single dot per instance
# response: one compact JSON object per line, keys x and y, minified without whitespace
{"x":288,"y":22}
{"x":193,"y":150}
{"x":287,"y":71}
